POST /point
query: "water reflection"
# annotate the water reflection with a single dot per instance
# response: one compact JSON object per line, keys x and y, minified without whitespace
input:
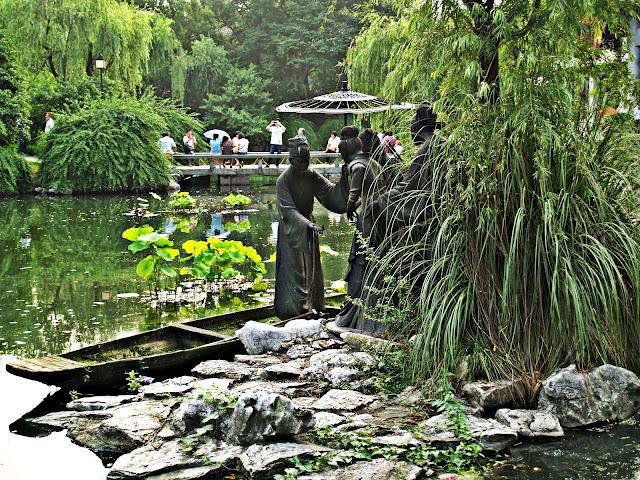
{"x":74,"y":283}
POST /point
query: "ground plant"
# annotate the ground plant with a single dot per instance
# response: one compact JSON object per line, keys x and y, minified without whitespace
{"x":522,"y":252}
{"x":182,"y":201}
{"x":15,"y":174}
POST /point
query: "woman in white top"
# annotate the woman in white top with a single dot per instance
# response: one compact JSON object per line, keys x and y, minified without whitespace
{"x":243,"y":147}
{"x":332,"y":144}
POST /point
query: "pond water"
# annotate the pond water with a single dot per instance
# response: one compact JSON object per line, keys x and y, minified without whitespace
{"x":68,"y":279}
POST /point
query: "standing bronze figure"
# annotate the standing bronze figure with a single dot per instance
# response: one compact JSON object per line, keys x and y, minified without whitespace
{"x":365,"y":184}
{"x":299,"y":278}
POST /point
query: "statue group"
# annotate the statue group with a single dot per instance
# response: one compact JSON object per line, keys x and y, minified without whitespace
{"x":373,"y":198}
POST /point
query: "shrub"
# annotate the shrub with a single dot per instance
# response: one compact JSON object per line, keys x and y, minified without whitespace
{"x":12,"y":105}
{"x":110,"y":144}
{"x":15,"y":175}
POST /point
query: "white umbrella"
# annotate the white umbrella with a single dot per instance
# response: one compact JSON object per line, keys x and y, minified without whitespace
{"x":221,"y":133}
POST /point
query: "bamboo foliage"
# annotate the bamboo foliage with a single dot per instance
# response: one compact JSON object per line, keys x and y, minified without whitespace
{"x":523,"y":252}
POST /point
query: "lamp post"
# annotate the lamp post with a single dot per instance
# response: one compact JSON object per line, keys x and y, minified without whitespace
{"x":101,"y":64}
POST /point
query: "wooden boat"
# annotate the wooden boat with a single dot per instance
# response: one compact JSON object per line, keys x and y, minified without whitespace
{"x":159,"y":353}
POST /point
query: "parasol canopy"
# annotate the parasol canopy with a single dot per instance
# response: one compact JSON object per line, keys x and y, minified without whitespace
{"x":221,"y":133}
{"x":341,"y":102}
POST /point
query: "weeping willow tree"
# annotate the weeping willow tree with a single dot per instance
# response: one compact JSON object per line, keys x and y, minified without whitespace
{"x":64,"y":37}
{"x":522,"y":253}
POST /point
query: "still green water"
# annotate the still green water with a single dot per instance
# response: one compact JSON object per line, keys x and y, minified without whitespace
{"x":68,"y":279}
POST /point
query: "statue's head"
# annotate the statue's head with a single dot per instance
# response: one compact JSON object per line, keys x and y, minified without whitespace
{"x":349,"y":141}
{"x":371,"y":144}
{"x":299,"y":153}
{"x":423,"y":123}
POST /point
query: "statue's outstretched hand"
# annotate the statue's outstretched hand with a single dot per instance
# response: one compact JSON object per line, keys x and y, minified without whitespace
{"x":316,"y":228}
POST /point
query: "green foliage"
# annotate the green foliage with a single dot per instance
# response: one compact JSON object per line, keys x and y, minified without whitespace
{"x":232,"y":200}
{"x":15,"y":175}
{"x":182,"y":201}
{"x":388,"y":372}
{"x":240,"y":227}
{"x":134,"y":381}
{"x":526,"y":254}
{"x":109,"y":144}
{"x":12,"y":105}
{"x":242,"y":104}
{"x":66,"y":36}
{"x":201,"y":71}
{"x":156,"y":265}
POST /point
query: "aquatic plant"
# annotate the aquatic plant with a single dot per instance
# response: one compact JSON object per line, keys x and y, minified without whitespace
{"x":232,"y":200}
{"x":156,"y":265}
{"x":182,"y":201}
{"x":523,"y":250}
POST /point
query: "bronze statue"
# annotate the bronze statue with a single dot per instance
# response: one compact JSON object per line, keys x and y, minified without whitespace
{"x":299,"y":279}
{"x":365,"y":184}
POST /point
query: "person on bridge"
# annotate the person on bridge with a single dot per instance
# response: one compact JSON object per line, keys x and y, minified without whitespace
{"x":189,"y":142}
{"x":216,"y":148}
{"x":167,"y":145}
{"x":277,"y":130}
{"x":299,"y":279}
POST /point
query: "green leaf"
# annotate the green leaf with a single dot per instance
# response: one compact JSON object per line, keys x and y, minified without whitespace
{"x":167,"y":253}
{"x":145,"y":266}
{"x":169,"y":272}
{"x":230,"y":273}
{"x":134,"y":233}
{"x":138,"y":246}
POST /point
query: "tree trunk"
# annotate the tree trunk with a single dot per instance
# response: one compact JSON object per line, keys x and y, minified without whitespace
{"x":490,"y":65}
{"x":90,"y":63}
{"x":52,"y":66}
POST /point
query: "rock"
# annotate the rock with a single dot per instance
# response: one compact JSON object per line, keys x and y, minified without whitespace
{"x":115,"y":430}
{"x":360,"y":341}
{"x":201,"y":386}
{"x":68,"y":419}
{"x":168,"y":388}
{"x":258,"y":360}
{"x":260,"y":338}
{"x":289,"y":389}
{"x":489,"y":395}
{"x":100,"y":402}
{"x":224,"y":369}
{"x":130,"y":426}
{"x":339,"y":376}
{"x":410,"y":396}
{"x":606,"y":393}
{"x":378,"y":469}
{"x":259,"y":416}
{"x":281,"y":371}
{"x":489,"y":433}
{"x":302,"y":350}
{"x":343,"y":400}
{"x":328,"y":419}
{"x":197,"y":411}
{"x":399,"y":439}
{"x":169,"y":458}
{"x":173,"y":186}
{"x":336,"y":330}
{"x":530,"y":423}
{"x":263,"y":461}
{"x":326,"y":343}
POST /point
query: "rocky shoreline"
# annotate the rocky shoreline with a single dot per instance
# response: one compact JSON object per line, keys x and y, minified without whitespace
{"x":303,"y":406}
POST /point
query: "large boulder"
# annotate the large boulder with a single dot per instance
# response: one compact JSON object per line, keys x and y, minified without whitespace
{"x":531,"y":423}
{"x":492,"y":395}
{"x":489,"y":433}
{"x":170,"y":459}
{"x":606,"y":393}
{"x":102,"y":402}
{"x":223,"y":369}
{"x":259,"y":416}
{"x":260,"y":462}
{"x":378,"y":469}
{"x":259,"y":338}
{"x":343,"y":400}
{"x":171,"y":387}
{"x":120,"y":429}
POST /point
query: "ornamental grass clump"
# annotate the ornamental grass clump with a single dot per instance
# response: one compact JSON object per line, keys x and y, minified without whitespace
{"x":523,"y":251}
{"x":110,"y":144}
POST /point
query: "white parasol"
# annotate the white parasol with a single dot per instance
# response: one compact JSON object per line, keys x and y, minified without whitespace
{"x":221,"y":133}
